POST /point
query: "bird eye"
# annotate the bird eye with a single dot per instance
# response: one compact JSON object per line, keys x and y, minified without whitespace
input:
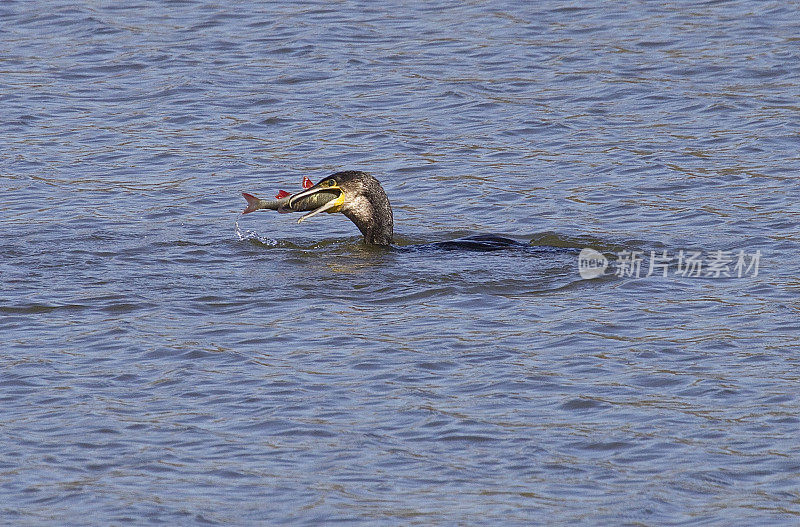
{"x":331,"y":183}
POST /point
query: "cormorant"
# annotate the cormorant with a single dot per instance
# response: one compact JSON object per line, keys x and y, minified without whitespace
{"x":361,"y":198}
{"x":355,"y":194}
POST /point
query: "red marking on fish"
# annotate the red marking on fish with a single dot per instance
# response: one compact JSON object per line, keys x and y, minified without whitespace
{"x":281,"y":194}
{"x":252,"y":203}
{"x":307,"y":183}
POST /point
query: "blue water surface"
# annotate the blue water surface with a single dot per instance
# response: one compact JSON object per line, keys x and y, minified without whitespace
{"x":164,"y":364}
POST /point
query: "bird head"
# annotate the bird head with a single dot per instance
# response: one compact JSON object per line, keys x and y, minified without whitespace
{"x":361,"y":198}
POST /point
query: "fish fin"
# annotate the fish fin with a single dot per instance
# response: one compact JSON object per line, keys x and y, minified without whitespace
{"x":252,"y":203}
{"x":307,"y":183}
{"x":281,"y":194}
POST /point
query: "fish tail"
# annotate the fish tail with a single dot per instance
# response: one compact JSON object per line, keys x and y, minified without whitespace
{"x":252,"y":203}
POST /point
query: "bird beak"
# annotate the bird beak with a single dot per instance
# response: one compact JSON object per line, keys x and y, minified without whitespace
{"x":332,"y":206}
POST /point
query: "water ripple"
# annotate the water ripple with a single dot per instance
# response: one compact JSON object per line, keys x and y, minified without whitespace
{"x":168,"y":362}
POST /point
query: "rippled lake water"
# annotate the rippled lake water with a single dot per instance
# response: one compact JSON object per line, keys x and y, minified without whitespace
{"x":158,"y":368}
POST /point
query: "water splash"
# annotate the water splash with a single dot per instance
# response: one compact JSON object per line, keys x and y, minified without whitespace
{"x":249,"y":235}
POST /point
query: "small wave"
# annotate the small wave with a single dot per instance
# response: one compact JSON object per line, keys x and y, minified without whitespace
{"x":37,"y":308}
{"x":253,"y":236}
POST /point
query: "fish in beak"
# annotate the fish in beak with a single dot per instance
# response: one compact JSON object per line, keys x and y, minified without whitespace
{"x":322,"y":197}
{"x":320,"y":191}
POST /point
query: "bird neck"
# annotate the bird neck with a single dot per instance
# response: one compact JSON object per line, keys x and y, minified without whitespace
{"x":372,"y":214}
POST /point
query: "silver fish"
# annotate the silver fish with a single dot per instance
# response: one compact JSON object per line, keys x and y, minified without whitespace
{"x":318,"y":202}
